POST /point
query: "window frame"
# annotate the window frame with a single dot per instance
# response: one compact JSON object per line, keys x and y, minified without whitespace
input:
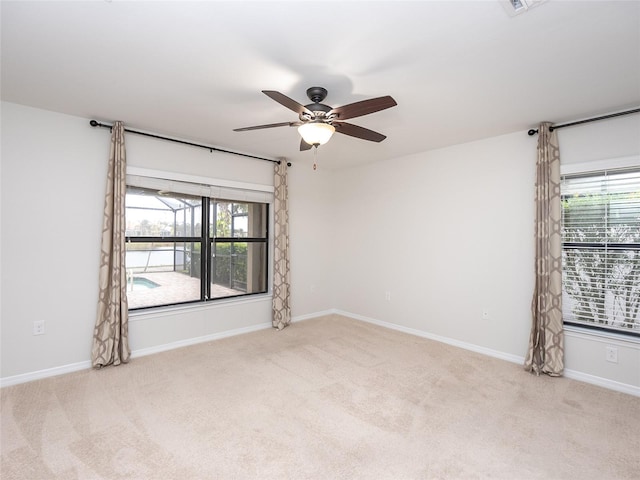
{"x":597,"y":169}
{"x":262,"y":196}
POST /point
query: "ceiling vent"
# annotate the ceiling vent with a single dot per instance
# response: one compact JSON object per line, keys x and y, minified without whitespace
{"x":516,"y":7}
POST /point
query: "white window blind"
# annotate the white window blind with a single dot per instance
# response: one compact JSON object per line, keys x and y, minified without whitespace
{"x":601,"y":249}
{"x":201,"y":189}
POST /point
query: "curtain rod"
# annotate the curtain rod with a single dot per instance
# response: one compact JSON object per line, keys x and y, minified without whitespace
{"x":555,"y":127}
{"x":95,"y":123}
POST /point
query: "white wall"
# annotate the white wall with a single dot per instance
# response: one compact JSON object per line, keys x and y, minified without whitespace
{"x":312,"y":236}
{"x":449,"y":233}
{"x":53,"y":179}
{"x":602,"y":140}
{"x":53,"y":175}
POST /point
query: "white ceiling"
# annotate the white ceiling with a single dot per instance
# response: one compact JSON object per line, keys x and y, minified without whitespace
{"x":460,"y":71}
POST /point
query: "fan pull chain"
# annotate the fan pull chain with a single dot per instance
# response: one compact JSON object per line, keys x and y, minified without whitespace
{"x":315,"y":157}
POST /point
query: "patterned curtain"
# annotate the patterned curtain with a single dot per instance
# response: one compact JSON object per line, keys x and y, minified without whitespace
{"x":546,"y":343}
{"x":110,"y":336}
{"x":281,"y":284}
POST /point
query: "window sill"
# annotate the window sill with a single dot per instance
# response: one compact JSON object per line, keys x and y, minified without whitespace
{"x":194,"y":307}
{"x":609,"y":337}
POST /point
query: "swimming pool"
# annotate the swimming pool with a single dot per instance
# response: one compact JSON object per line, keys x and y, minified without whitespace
{"x":141,"y":283}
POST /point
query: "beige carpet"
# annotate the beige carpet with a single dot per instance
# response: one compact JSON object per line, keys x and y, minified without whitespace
{"x":329,"y":398}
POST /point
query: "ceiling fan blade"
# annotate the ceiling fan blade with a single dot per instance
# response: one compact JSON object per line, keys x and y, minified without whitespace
{"x":304,"y":145}
{"x":270,"y":125}
{"x":287,"y":102}
{"x":364,"y":107}
{"x":358,"y":132}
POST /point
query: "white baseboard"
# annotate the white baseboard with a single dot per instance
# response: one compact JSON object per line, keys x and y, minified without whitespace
{"x":438,"y":338}
{"x":301,"y":318}
{"x":194,"y":341}
{"x":46,"y":373}
{"x":85,"y":365}
{"x":572,"y":374}
{"x":74,"y":367}
{"x":602,"y":382}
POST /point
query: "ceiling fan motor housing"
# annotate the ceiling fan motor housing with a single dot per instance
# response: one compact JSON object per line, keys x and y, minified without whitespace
{"x":320,"y":110}
{"x":316,"y":94}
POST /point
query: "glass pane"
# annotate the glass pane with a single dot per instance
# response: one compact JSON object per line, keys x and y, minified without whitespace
{"x":239,"y":220}
{"x":162,"y":273}
{"x":624,"y":217}
{"x":602,"y":287}
{"x":162,"y":214}
{"x":603,"y":208}
{"x":240,"y":225}
{"x":221,"y":219}
{"x":601,"y":276}
{"x":238,"y":268}
{"x":584,"y":218}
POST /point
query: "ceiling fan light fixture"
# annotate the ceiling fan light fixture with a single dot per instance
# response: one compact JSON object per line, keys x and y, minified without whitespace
{"x":316,"y":133}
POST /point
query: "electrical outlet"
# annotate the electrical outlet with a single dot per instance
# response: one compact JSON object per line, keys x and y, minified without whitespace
{"x":38,"y":327}
{"x":485,"y":314}
{"x":387,"y":296}
{"x":611,"y":354}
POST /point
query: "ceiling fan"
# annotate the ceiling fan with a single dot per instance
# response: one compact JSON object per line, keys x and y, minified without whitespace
{"x":317,"y":121}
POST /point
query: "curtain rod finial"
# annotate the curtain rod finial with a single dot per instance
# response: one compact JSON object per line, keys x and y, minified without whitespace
{"x":93,"y":123}
{"x":532,"y":132}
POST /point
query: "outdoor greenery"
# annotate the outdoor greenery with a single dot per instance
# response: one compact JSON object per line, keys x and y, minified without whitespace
{"x":601,"y":274}
{"x":225,"y":213}
{"x":230,"y":265}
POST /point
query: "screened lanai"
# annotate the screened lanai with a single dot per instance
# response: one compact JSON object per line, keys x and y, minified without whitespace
{"x":173,"y":239}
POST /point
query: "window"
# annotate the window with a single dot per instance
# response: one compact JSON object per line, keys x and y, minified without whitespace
{"x":183,"y":248}
{"x":601,"y":250}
